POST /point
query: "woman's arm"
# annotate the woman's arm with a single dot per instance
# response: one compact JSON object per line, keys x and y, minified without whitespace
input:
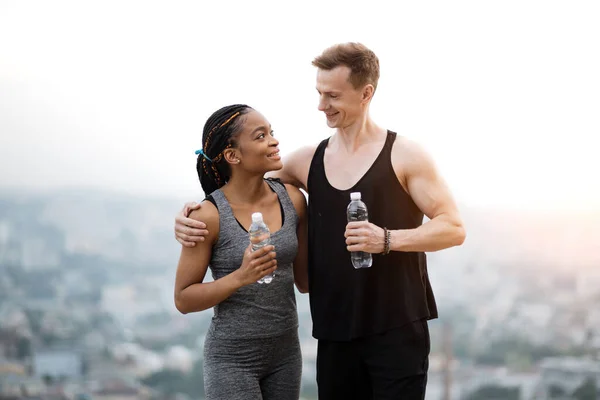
{"x":301,"y":261}
{"x":191,"y":294}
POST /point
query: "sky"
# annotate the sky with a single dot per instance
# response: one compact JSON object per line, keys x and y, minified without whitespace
{"x":114,"y":94}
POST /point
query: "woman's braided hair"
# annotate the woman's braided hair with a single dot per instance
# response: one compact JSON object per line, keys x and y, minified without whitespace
{"x":218,"y":135}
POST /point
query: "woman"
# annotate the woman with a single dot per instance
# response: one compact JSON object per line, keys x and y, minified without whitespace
{"x":252,"y":349}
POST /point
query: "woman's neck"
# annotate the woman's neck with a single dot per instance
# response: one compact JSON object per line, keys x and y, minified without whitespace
{"x":246,"y":190}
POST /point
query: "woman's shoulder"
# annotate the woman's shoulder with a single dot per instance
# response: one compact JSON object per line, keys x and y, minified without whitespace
{"x":207,"y":213}
{"x":297,"y":197}
{"x":293,"y":190}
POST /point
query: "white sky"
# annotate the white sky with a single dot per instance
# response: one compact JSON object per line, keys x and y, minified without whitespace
{"x":114,"y":94}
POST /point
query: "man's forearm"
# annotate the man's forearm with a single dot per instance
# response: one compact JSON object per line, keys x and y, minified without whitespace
{"x":437,"y":234}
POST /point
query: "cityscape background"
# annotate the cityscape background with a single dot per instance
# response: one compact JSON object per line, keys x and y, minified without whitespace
{"x":102,"y":106}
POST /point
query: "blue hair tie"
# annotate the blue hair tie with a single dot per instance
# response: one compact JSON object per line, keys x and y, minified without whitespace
{"x":203,"y":155}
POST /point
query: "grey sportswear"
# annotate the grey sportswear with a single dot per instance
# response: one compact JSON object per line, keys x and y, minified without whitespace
{"x":252,"y":349}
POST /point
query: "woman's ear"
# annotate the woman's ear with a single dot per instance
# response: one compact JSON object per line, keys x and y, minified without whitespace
{"x":231,"y":156}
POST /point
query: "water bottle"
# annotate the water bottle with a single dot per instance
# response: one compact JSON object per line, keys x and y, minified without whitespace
{"x":260,"y":236}
{"x":357,"y":211}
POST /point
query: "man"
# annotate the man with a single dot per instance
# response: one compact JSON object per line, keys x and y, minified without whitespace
{"x":371,"y":323}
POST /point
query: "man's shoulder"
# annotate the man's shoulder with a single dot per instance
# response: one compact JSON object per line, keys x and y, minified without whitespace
{"x":296,"y":166}
{"x":303,"y":154}
{"x":409,"y":157}
{"x":409,"y":150}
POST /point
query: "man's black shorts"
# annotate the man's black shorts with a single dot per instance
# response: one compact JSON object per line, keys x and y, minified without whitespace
{"x":391,"y":365}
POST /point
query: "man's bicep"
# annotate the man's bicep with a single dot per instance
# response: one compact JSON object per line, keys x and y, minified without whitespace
{"x":428,"y":189}
{"x":285,"y":175}
{"x":295,"y":167}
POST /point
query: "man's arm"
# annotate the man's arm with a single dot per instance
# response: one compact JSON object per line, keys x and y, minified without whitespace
{"x":191,"y":293}
{"x":189,"y":231}
{"x":419,"y":175}
{"x":295,"y":167}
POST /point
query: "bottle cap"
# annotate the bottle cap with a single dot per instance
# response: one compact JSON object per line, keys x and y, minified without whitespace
{"x":257,"y":217}
{"x":355,"y":196}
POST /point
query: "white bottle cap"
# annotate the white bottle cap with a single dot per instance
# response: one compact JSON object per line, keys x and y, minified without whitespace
{"x":355,"y":196}
{"x":257,"y":217}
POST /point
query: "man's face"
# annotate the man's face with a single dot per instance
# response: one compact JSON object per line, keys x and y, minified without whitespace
{"x":338,"y":99}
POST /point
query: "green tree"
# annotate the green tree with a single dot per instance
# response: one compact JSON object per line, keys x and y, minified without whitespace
{"x":495,"y":392}
{"x":556,"y":392}
{"x":587,"y":390}
{"x":171,"y":381}
{"x":23,"y":348}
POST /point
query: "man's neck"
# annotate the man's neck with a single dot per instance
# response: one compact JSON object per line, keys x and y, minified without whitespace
{"x":363,"y":131}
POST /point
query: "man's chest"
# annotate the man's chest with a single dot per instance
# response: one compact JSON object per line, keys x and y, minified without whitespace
{"x":343,"y":171}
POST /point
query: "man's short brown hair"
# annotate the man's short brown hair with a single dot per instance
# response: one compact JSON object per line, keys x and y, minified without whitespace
{"x":363,"y":63}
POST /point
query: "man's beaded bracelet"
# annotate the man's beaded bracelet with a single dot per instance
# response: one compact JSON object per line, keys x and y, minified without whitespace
{"x":386,"y":241}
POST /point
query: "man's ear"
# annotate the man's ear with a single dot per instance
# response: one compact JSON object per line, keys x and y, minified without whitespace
{"x":367,"y":93}
{"x":231,"y":156}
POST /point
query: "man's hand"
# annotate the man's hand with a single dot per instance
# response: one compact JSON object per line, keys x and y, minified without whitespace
{"x":364,"y":236}
{"x":188,"y":231}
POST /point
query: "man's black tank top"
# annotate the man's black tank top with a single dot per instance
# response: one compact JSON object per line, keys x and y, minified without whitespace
{"x":348,"y":303}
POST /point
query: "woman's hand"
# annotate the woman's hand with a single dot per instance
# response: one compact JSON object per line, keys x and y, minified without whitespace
{"x":256,"y":264}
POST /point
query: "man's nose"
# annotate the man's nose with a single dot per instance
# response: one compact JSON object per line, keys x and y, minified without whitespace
{"x":322,"y":104}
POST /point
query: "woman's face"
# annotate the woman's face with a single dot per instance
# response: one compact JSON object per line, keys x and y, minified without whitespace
{"x":257,"y":150}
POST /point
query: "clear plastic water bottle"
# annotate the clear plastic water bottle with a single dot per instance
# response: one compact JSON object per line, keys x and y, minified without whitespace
{"x":357,"y":211}
{"x":260,"y":236}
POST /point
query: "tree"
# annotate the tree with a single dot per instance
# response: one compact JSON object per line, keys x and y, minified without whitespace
{"x":587,"y":390}
{"x":495,"y":392}
{"x":48,"y":379}
{"x":556,"y":392}
{"x":24,"y":348}
{"x":169,"y":381}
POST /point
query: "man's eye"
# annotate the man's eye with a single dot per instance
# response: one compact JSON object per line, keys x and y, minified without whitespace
{"x":261,"y":136}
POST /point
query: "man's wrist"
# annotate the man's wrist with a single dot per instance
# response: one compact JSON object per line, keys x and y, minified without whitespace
{"x":386,"y":241}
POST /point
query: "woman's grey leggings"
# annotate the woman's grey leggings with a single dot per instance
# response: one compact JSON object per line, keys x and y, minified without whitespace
{"x":253,"y":369}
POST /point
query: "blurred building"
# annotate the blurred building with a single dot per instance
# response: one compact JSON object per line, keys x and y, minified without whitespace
{"x":58,"y":365}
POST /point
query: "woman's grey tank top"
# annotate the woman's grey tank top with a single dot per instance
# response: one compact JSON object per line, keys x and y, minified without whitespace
{"x":255,"y":310}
